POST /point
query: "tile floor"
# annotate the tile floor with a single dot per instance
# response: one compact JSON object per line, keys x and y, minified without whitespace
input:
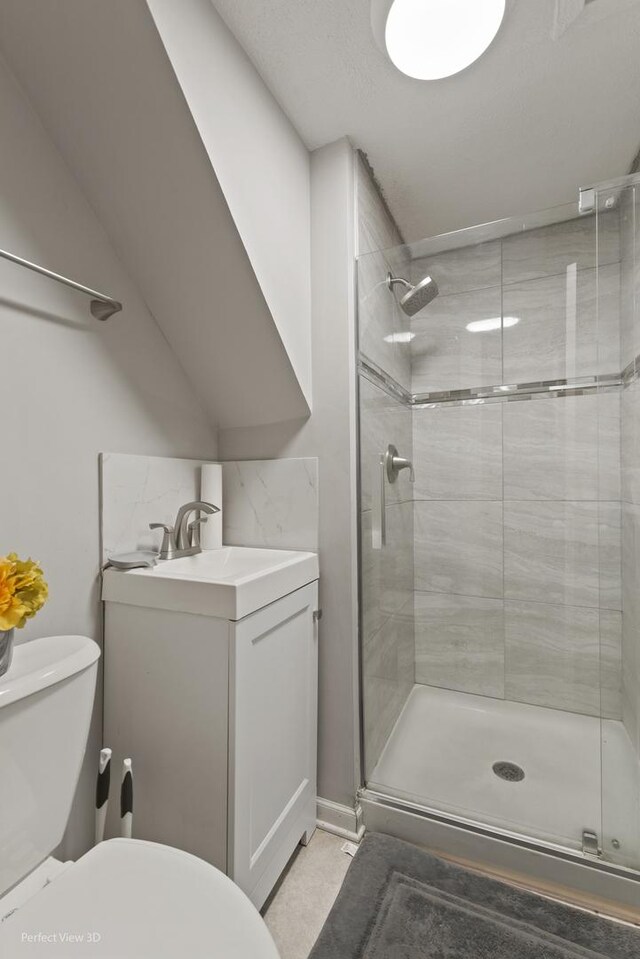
{"x":302,"y":900}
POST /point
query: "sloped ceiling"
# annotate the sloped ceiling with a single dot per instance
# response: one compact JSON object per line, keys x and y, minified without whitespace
{"x":519,"y":130}
{"x":100,"y":80}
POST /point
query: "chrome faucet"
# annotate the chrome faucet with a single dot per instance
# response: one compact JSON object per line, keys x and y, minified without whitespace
{"x":183,"y":538}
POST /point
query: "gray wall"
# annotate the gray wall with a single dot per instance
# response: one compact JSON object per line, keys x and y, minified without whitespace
{"x":517,"y":504}
{"x":145,"y":144}
{"x":329,"y":434}
{"x":71,"y":387}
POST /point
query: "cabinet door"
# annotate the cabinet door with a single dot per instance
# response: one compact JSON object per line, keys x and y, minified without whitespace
{"x":166,"y":682}
{"x":273,"y":733}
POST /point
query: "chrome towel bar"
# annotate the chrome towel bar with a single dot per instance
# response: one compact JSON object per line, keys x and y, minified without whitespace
{"x":101,"y":306}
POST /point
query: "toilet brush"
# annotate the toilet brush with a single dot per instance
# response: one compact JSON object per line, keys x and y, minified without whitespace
{"x":126,"y":800}
{"x":102,"y":792}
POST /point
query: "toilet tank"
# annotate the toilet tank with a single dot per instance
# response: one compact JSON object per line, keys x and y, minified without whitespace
{"x":46,"y":699}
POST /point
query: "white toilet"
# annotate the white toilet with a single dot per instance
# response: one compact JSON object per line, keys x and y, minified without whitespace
{"x":125,"y":898}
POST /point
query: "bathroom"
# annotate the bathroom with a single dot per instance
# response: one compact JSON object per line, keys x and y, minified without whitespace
{"x":395,"y":316}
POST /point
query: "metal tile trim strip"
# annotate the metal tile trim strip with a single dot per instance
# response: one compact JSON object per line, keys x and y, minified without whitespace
{"x":579,"y":386}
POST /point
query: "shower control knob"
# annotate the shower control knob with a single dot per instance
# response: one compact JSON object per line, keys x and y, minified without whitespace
{"x":394,"y":463}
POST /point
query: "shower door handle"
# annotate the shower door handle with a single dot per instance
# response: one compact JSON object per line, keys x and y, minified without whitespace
{"x":378,"y":513}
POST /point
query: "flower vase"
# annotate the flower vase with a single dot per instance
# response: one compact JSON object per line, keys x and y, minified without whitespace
{"x":6,"y":650}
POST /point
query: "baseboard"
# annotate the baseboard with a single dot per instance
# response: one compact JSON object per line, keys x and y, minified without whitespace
{"x":343,"y":821}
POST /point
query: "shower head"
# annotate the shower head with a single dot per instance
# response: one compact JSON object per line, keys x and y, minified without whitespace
{"x":415,"y":297}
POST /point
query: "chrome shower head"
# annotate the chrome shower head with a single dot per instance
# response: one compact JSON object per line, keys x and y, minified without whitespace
{"x":416,"y":297}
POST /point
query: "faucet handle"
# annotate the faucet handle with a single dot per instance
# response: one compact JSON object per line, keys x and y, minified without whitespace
{"x":168,"y":547}
{"x":194,"y":530}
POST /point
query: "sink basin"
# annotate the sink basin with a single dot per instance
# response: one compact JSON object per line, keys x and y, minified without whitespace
{"x":228,"y":583}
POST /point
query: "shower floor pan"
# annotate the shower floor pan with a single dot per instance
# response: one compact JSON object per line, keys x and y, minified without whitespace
{"x":543,"y":773}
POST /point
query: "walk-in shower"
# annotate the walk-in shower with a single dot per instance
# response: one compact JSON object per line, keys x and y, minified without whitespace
{"x":500,"y":616}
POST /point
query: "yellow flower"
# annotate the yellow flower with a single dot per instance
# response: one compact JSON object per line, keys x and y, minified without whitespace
{"x":11,"y":609}
{"x":23,"y":591}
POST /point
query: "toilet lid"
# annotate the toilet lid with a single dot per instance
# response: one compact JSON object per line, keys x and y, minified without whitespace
{"x":129,"y":899}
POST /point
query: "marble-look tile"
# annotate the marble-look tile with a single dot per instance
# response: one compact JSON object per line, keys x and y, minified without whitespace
{"x":630,"y":444}
{"x":552,"y":656}
{"x":610,"y":555}
{"x":139,"y":490}
{"x":458,"y":547}
{"x":629,"y":325}
{"x":460,"y":270}
{"x":552,"y":448}
{"x":383,"y":327}
{"x":381,"y":322}
{"x":551,"y":552}
{"x":631,"y":710}
{"x":564,"y":330}
{"x":631,"y":621}
{"x":387,"y":573}
{"x":388,"y":671}
{"x":609,"y":445}
{"x":551,"y":249}
{"x":302,"y":899}
{"x":460,"y":643}
{"x":631,"y":604}
{"x":445,"y":354}
{"x":611,"y":663}
{"x":457,"y":452}
{"x":383,"y":420}
{"x":271,"y":503}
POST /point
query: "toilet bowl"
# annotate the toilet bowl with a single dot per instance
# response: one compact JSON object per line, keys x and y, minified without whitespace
{"x":131,"y":899}
{"x":125,"y":898}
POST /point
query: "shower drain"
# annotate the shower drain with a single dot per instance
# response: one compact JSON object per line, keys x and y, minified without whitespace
{"x":508,"y":771}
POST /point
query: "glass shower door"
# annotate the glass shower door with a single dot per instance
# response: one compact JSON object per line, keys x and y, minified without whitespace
{"x":490,"y":616}
{"x":620,"y":629}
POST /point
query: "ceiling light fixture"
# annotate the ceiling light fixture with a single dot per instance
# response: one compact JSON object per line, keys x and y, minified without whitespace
{"x":492,"y":323}
{"x":432,"y":39}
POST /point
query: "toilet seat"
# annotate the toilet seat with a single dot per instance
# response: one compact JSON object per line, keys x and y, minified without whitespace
{"x":143,"y":900}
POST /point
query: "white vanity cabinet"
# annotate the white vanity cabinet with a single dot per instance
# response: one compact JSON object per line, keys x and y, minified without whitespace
{"x":220,"y":720}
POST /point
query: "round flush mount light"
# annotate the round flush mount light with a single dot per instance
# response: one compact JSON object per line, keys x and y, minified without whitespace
{"x":432,"y":39}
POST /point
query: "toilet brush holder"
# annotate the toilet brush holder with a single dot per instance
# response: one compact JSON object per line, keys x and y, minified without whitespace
{"x":6,"y":650}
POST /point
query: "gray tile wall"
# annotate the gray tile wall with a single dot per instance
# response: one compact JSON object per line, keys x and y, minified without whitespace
{"x":630,"y":319}
{"x":381,"y":322}
{"x":517,"y":515}
{"x":387,"y":614}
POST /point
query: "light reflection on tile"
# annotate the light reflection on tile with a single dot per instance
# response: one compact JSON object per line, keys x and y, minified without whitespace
{"x":445,"y":355}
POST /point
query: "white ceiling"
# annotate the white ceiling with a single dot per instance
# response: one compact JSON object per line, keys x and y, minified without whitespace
{"x":519,"y":130}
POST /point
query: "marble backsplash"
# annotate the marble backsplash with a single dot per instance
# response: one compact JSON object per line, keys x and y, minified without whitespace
{"x":267,"y":503}
{"x":272,"y":503}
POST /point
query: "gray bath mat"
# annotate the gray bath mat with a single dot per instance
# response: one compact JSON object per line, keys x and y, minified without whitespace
{"x":399,"y":902}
